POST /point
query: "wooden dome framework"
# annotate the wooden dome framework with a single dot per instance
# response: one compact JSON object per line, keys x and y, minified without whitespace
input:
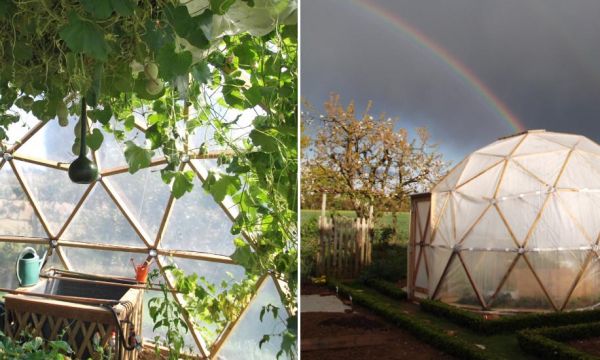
{"x":11,"y":157}
{"x":439,"y":245}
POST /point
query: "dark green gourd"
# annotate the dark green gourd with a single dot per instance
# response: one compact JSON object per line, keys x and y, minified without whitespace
{"x":83,"y":170}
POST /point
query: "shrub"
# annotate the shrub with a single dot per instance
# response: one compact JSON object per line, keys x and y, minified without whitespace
{"x":310,"y":247}
{"x":507,"y":323}
{"x":547,"y":343}
{"x":389,"y":263}
{"x":387,"y":288}
{"x":384,"y":235}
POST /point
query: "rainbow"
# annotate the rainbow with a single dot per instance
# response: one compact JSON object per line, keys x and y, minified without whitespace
{"x":467,"y":76}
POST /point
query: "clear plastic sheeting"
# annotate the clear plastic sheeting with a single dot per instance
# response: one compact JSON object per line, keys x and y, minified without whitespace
{"x":520,"y":221}
{"x":247,"y":333}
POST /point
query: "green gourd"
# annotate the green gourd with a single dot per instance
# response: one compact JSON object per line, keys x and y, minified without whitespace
{"x":83,"y":170}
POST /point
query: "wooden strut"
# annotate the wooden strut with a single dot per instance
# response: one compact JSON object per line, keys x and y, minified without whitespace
{"x":437,"y":287}
{"x":540,"y":283}
{"x":125,"y":212}
{"x":503,"y":280}
{"x":581,"y":272}
{"x":508,"y":227}
{"x":477,"y":293}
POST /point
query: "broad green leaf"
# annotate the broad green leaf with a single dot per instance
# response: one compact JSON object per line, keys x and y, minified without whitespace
{"x":201,"y":72}
{"x":124,"y":7}
{"x":266,"y":141}
{"x":183,"y":183}
{"x":221,"y":6}
{"x":94,"y":140}
{"x":172,"y":63}
{"x":137,"y":157}
{"x":100,"y":9}
{"x":190,"y":28}
{"x":83,"y":36}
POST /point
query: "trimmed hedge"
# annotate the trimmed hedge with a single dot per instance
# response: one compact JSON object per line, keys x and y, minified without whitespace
{"x":548,"y":343}
{"x":387,"y":288}
{"x":434,"y":336}
{"x":507,"y":323}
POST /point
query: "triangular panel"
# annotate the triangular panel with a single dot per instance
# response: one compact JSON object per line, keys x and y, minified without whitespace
{"x":484,"y":185}
{"x":534,"y":144}
{"x":556,"y":229}
{"x":468,"y":211}
{"x":501,"y":147}
{"x":16,"y":131}
{"x":99,"y":220}
{"x":517,"y":181}
{"x":587,"y":145}
{"x":585,"y":209}
{"x":145,"y":196}
{"x":557,"y":270}
{"x":489,"y":232}
{"x":566,"y":140}
{"x":487,"y":269}
{"x":54,"y":193}
{"x":451,"y":179}
{"x":103,"y":262}
{"x":249,"y":330}
{"x":455,"y":287}
{"x":437,"y":259}
{"x":574,"y":178}
{"x":476,"y":164}
{"x":521,"y":290}
{"x":545,"y":167}
{"x":520,"y":213}
{"x":52,"y":142}
{"x":17,"y":216}
{"x":223,"y":275}
{"x":444,"y":231}
{"x":586,"y":292}
{"x":198,"y":223}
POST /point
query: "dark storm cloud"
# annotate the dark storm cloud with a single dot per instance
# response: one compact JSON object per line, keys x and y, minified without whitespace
{"x":541,"y":57}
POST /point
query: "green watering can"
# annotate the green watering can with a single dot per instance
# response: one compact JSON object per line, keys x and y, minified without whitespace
{"x":29,"y":265}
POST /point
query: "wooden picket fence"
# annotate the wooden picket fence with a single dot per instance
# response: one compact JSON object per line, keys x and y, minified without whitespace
{"x":344,"y":246}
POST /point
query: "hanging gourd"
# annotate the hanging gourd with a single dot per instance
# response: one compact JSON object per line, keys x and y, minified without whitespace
{"x":83,"y":170}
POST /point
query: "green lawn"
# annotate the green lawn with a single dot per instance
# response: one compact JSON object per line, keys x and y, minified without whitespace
{"x":386,"y":220}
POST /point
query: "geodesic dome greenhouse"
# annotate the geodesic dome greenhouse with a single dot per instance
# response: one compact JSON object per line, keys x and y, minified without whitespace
{"x":514,"y":226}
{"x":99,"y":228}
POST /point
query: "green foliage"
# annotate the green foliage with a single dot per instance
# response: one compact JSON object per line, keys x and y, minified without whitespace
{"x":167,"y":315}
{"x":389,"y":263}
{"x":387,"y":288}
{"x":33,"y":348}
{"x":435,"y":336}
{"x":310,"y":247}
{"x":547,"y":343}
{"x":510,"y":323}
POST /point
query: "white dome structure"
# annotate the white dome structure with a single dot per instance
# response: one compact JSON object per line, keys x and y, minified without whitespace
{"x":514,"y":226}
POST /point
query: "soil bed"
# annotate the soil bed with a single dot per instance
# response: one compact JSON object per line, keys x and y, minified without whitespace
{"x":357,"y":335}
{"x":590,"y":345}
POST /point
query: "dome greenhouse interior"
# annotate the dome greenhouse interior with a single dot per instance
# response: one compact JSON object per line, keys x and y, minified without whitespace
{"x":98,"y":228}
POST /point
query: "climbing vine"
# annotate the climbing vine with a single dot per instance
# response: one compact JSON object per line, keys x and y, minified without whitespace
{"x":198,"y":75}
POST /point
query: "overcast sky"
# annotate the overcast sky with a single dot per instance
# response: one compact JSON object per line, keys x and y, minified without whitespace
{"x":540,"y":57}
